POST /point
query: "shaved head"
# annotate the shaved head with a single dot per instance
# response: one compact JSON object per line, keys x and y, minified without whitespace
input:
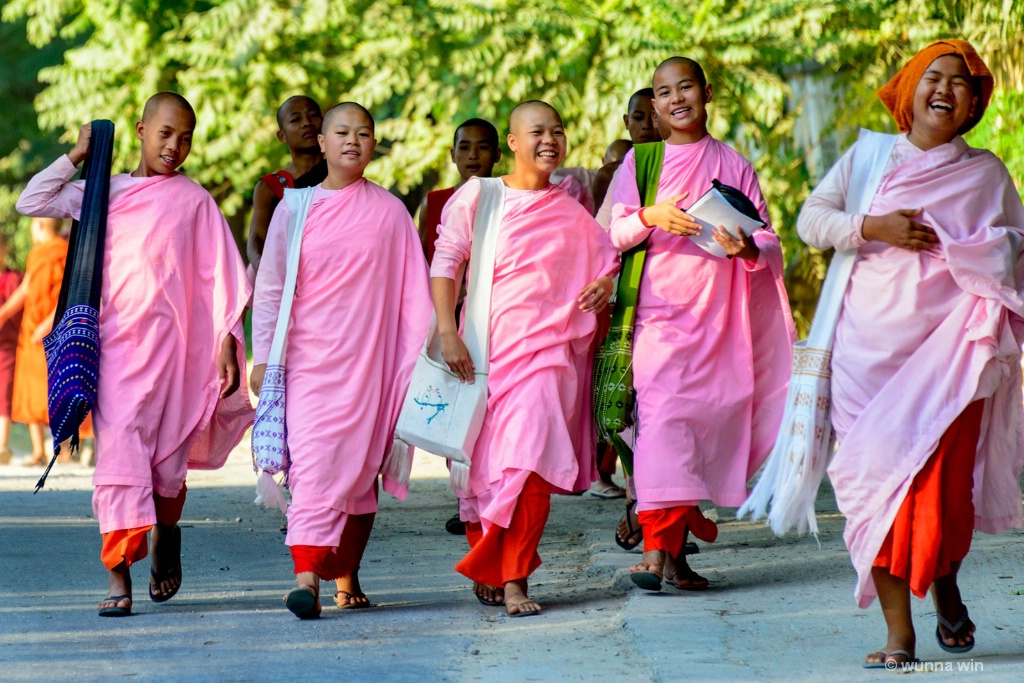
{"x":696,"y":69}
{"x":641,"y":94}
{"x":616,"y":151}
{"x":173,"y":99}
{"x":331,"y":113}
{"x":282,"y":111}
{"x":515,"y":119}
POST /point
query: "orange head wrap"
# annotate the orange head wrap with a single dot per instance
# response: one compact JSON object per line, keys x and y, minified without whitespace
{"x":898,"y":94}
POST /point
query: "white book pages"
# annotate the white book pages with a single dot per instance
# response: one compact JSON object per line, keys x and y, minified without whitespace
{"x":711,"y":210}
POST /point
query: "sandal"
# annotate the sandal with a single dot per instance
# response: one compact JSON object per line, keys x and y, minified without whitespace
{"x":911,"y":659}
{"x":953,"y":629}
{"x":607,"y":491}
{"x":689,"y":581}
{"x":303,"y":602}
{"x":455,"y":526}
{"x":493,"y":602}
{"x":519,"y":607}
{"x":171,"y":547}
{"x":636,"y":532}
{"x":348,"y":598}
{"x":115,"y":610}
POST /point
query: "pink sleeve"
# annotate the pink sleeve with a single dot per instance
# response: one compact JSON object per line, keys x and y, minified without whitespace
{"x":455,"y":232}
{"x":823,"y":222}
{"x":49,"y":194}
{"x":627,"y":230}
{"x":269,"y":285}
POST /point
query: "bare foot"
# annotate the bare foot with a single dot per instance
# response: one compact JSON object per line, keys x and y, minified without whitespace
{"x":517,"y":602}
{"x":165,"y":556}
{"x":679,"y":574}
{"x":350,"y":594}
{"x":950,"y":606}
{"x":653,"y":563}
{"x":489,"y":595}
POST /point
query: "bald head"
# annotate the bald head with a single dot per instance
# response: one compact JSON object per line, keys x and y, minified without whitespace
{"x":690,"y":64}
{"x":643,"y":95}
{"x":616,"y":151}
{"x":339,"y":109}
{"x":167,"y":99}
{"x":524,"y":110}
{"x":293,"y":102}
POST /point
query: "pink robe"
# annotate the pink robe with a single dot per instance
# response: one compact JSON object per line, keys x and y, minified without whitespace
{"x":359,"y":317}
{"x":713,"y":342}
{"x":174,"y":287}
{"x":538,"y":405}
{"x":921,"y":335}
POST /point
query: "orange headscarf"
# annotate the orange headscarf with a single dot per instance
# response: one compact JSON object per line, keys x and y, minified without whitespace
{"x":898,"y":94}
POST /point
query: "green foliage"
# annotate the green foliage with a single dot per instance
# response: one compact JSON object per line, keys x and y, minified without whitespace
{"x":422,"y":66}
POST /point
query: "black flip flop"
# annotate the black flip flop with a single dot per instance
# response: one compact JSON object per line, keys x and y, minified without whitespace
{"x":168,"y":545}
{"x":303,"y":603}
{"x":455,"y":526}
{"x":115,"y":611}
{"x":633,"y":530}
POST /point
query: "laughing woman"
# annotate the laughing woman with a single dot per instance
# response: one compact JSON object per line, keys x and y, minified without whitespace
{"x":926,"y":364}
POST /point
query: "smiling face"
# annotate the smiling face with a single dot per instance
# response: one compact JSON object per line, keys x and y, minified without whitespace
{"x":680,"y":101}
{"x":537,"y":138}
{"x":944,"y":100}
{"x":474,"y":153}
{"x":347,"y":141}
{"x":166,"y":136}
{"x":299,"y":120}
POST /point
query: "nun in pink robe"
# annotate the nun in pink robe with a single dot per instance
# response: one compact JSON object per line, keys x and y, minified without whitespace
{"x":923,"y":335}
{"x":712,"y":348}
{"x":359,"y":317}
{"x":174,"y":287}
{"x":538,"y":434}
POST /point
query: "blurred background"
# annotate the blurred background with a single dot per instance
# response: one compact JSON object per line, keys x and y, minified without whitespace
{"x":793,"y":82}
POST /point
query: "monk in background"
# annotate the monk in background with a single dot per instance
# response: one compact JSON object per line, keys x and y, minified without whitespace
{"x":10,"y":281}
{"x":36,"y":298}
{"x":298,"y":125}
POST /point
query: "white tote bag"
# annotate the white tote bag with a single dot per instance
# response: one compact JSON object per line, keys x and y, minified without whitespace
{"x":269,"y":431}
{"x":441,"y":414}
{"x":796,"y":466}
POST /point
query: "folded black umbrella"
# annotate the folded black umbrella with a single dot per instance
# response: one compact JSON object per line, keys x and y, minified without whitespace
{"x":738,"y":200}
{"x":73,"y":347}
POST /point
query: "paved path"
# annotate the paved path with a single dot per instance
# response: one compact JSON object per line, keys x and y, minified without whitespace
{"x":779,"y":609}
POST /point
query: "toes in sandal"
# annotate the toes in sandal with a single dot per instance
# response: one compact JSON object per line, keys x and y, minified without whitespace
{"x":170,"y":547}
{"x":636,"y":532}
{"x":954,"y":630}
{"x":349,"y":597}
{"x":116,"y":610}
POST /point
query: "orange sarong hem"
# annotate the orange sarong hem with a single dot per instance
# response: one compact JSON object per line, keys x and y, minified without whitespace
{"x":330,"y":563}
{"x":502,"y":555}
{"x":665,"y":529}
{"x":935,"y":522}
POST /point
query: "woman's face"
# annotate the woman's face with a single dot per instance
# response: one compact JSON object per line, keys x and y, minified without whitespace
{"x":944,"y":100}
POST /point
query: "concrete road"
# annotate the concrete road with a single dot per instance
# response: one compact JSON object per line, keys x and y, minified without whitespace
{"x":778,"y":609}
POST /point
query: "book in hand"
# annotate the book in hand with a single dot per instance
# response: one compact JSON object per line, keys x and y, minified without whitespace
{"x":726,"y":206}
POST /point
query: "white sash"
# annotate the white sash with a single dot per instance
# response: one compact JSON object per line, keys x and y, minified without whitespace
{"x":269,"y":432}
{"x":796,"y":465}
{"x":441,"y":414}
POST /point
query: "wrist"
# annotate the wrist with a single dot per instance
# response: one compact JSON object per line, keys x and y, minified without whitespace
{"x":76,"y":157}
{"x":867,"y":229}
{"x":643,"y":218}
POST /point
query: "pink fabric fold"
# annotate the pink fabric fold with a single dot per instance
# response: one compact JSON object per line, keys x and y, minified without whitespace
{"x":359,"y":318}
{"x":922,"y":335}
{"x":538,"y":407}
{"x":713,"y":342}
